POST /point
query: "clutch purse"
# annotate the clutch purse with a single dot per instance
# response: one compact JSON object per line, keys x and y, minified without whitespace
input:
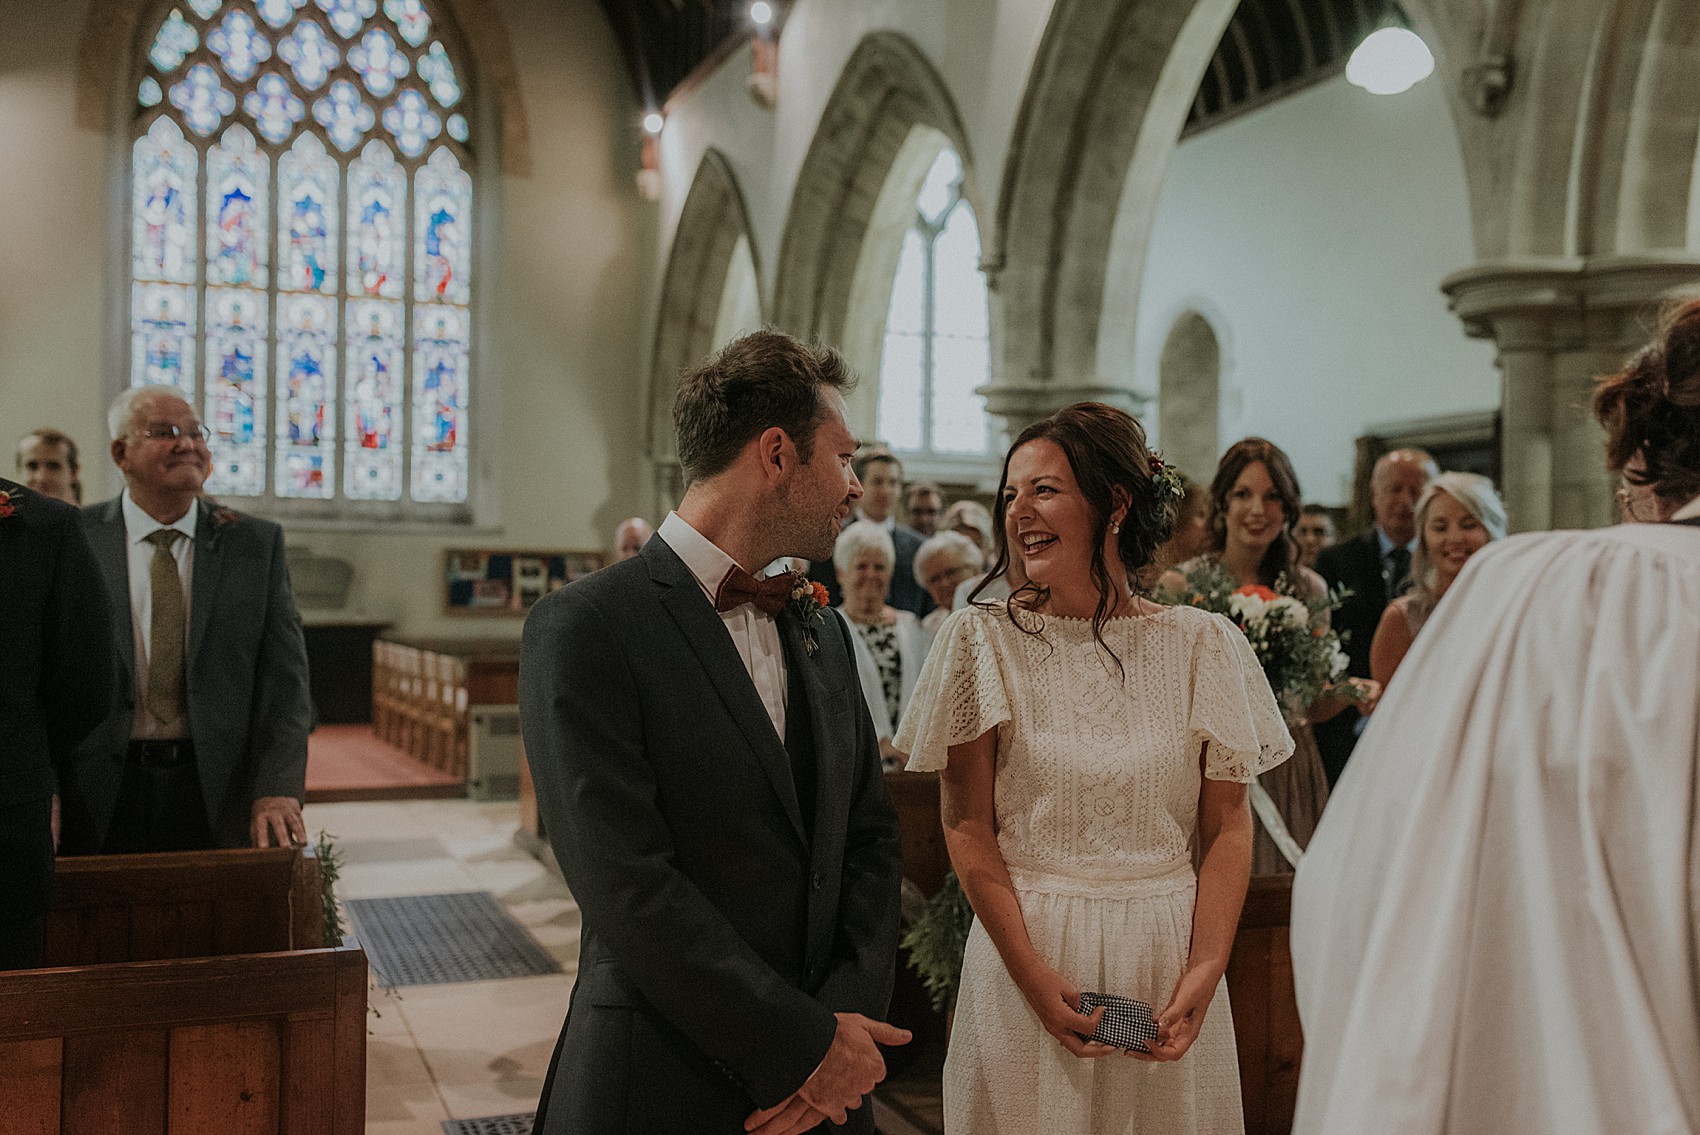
{"x":1126,"y":1023}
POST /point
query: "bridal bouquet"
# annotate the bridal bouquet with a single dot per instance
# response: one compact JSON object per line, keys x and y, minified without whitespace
{"x":1299,"y":654}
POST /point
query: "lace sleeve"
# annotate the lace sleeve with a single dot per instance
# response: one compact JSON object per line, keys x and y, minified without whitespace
{"x":959,"y":695}
{"x":1233,"y":709}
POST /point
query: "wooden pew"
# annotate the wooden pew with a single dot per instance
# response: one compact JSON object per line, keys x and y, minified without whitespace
{"x":131,"y":908}
{"x":1266,"y":1011}
{"x":253,"y":1044}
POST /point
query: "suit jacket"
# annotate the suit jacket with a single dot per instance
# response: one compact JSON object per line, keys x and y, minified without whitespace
{"x":1356,"y":565}
{"x":906,"y":592}
{"x":246,"y":665}
{"x":58,"y":675}
{"x":719,"y":936}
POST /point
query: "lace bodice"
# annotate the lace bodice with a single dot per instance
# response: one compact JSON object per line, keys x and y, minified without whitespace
{"x":1097,"y":777}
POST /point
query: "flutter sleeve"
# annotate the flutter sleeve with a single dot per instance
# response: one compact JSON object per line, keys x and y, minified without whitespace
{"x":959,"y":695}
{"x":1233,"y":709}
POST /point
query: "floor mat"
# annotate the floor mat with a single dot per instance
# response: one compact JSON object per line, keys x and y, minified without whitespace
{"x":439,"y":939}
{"x":491,"y":1125}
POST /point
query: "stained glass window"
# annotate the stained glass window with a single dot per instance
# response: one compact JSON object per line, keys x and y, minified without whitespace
{"x":937,"y":348}
{"x":301,"y":245}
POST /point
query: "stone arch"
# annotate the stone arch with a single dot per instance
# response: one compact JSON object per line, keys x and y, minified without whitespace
{"x":867,"y":134}
{"x":1189,"y":395}
{"x":109,"y":33}
{"x":714,"y":225}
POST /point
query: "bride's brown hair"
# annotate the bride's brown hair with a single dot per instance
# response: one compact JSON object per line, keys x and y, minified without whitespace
{"x":1111,"y":462}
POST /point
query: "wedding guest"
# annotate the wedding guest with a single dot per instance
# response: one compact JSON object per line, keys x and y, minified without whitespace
{"x":1314,"y":532}
{"x":1375,"y":568}
{"x":1083,"y":737}
{"x":48,"y":461}
{"x":1496,"y":930}
{"x":970,"y":518}
{"x":889,"y":644}
{"x":923,"y":506}
{"x":1254,"y":504}
{"x":881,"y":474}
{"x":1192,"y":528}
{"x":943,"y":563}
{"x":630,"y":536}
{"x":973,"y":520}
{"x":1456,"y":516}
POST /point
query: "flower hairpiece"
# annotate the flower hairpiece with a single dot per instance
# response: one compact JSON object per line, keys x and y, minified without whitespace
{"x":1168,"y":480}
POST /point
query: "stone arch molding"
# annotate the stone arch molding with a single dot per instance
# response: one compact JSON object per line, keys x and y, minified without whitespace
{"x":889,"y":103}
{"x":106,"y":50}
{"x":712,"y":223}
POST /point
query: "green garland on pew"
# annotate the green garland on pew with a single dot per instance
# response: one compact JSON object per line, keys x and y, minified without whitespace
{"x":936,"y":941}
{"x":330,"y":867}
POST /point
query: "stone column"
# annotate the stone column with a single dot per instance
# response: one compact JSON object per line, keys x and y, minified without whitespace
{"x":1018,"y":406}
{"x":1560,"y":322}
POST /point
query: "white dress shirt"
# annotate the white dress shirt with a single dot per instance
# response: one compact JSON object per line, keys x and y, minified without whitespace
{"x":755,"y":635}
{"x":138,"y":526}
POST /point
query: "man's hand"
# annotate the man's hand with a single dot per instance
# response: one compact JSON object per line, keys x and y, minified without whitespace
{"x":277,"y":822}
{"x":851,"y":1068}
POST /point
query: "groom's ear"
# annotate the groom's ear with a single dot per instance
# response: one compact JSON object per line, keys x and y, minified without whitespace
{"x":776,"y":453}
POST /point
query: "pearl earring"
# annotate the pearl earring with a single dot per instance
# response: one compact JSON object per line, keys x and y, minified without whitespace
{"x":1115,"y":529}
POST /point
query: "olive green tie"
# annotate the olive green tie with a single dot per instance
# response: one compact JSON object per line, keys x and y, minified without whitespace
{"x":165,"y":660}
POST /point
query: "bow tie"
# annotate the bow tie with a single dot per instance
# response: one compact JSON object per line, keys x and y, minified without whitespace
{"x":769,"y":595}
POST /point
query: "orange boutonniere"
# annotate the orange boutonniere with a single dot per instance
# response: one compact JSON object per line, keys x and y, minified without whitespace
{"x":808,"y":600}
{"x":8,"y":502}
{"x":222,"y":517}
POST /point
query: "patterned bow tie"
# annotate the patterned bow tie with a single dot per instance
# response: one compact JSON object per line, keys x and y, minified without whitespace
{"x":769,"y":595}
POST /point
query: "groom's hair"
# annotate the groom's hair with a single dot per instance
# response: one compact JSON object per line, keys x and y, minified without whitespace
{"x":751,"y":385}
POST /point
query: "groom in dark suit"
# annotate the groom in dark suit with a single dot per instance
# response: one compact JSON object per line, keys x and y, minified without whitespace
{"x":711,"y":784}
{"x":207,"y":745}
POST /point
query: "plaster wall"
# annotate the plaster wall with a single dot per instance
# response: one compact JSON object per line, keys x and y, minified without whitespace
{"x":1313,"y":235}
{"x":563,"y":266}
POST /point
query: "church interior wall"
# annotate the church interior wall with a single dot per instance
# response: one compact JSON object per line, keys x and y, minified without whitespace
{"x":557,"y":425}
{"x":1313,"y":235}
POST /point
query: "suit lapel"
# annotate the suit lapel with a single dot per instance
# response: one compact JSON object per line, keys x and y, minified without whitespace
{"x":105,"y":527}
{"x":685,"y":603}
{"x":832,"y":771}
{"x":209,"y":565}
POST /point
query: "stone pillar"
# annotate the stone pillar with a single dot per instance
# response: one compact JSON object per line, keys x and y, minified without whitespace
{"x":1559,"y":323}
{"x":1018,"y":406}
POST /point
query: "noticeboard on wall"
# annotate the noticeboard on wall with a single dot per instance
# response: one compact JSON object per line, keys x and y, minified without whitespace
{"x":492,"y":582}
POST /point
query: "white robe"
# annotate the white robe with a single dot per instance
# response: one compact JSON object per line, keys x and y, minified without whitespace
{"x":1496,"y":928}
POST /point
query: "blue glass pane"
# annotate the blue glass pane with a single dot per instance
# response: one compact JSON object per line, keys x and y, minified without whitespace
{"x":202,"y":99}
{"x":347,"y":15}
{"x":238,"y":193}
{"x":277,"y":13}
{"x":162,"y":336}
{"x":307,"y":221}
{"x":344,"y":115}
{"x":274,"y":107}
{"x":175,"y":40}
{"x":436,"y":70}
{"x":440,"y":343}
{"x":410,"y":18}
{"x":412,"y":122}
{"x":239,"y":45}
{"x":163,"y":205}
{"x":150,"y":95}
{"x":372,"y":449}
{"x":310,"y":53}
{"x":458,"y":128}
{"x":205,"y":9}
{"x":379,"y":61}
{"x":236,"y":390}
{"x":306,"y":380}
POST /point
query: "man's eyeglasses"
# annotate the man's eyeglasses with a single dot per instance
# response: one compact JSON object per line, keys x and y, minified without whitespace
{"x":170,"y":431}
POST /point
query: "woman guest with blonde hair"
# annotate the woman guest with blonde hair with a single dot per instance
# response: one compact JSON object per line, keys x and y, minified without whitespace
{"x":1457,"y":515}
{"x":1086,"y":741}
{"x":889,"y":644}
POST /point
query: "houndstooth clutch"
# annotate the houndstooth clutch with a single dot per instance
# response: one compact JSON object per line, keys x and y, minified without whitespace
{"x":1126,"y":1023}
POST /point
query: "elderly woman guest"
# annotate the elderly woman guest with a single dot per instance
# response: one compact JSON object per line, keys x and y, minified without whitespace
{"x":890,"y":644}
{"x":942,"y":564}
{"x":1457,"y":515}
{"x":1495,"y":931}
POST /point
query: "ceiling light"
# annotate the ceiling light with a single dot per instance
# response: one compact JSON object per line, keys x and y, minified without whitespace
{"x":1390,"y":62}
{"x":653,"y":122}
{"x":761,"y":13}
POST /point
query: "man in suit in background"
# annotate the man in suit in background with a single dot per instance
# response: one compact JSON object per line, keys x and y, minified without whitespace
{"x":48,"y":461}
{"x":1376,"y":567}
{"x":881,"y":475}
{"x":711,"y":785}
{"x":58,"y":680}
{"x":207,"y":746}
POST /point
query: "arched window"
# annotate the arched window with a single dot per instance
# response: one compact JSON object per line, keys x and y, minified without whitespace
{"x":301,"y":247}
{"x":937,"y":344}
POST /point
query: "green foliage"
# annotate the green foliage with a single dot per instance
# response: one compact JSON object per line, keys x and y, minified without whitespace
{"x":330,"y":867}
{"x":936,"y":941}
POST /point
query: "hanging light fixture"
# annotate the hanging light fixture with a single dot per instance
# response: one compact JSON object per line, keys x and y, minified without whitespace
{"x":1390,"y":61}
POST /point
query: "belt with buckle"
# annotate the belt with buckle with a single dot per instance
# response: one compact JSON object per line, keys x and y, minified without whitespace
{"x":165,"y":753}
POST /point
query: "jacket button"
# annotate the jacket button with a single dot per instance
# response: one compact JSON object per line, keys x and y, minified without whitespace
{"x":814,"y":881}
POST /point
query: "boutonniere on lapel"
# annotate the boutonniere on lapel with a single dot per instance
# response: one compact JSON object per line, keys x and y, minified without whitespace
{"x":808,"y":600}
{"x":9,"y":501}
{"x":222,"y":517}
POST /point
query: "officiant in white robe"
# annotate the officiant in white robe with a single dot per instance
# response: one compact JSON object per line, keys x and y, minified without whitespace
{"x":1495,"y":927}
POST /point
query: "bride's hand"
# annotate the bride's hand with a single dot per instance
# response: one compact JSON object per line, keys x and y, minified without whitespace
{"x":1057,"y":1002}
{"x":1180,"y":1020}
